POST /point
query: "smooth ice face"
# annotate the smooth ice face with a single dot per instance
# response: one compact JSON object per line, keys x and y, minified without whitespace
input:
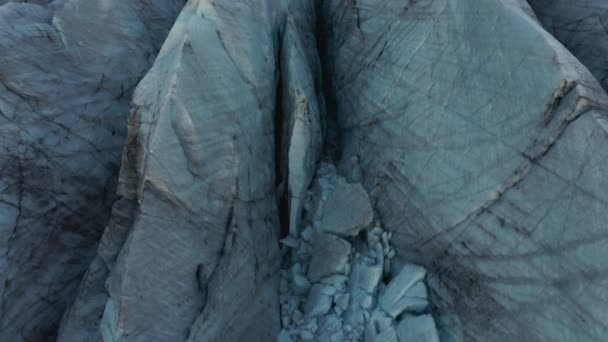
{"x":347,"y":209}
{"x":417,"y":328}
{"x":405,"y":291}
{"x":329,"y":256}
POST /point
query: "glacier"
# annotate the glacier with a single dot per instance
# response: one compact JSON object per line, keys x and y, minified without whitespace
{"x":303,"y":170}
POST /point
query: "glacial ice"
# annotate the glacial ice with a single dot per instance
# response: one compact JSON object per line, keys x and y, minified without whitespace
{"x":326,"y":170}
{"x":362,"y":302}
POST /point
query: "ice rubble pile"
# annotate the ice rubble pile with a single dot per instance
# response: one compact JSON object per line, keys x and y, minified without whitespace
{"x":340,"y":283}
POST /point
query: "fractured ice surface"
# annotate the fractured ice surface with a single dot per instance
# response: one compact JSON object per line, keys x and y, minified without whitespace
{"x":67,"y":70}
{"x":187,"y":139}
{"x":482,"y":142}
{"x":582,"y":26}
{"x":349,"y":300}
{"x":303,"y":105}
{"x":468,"y":202}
